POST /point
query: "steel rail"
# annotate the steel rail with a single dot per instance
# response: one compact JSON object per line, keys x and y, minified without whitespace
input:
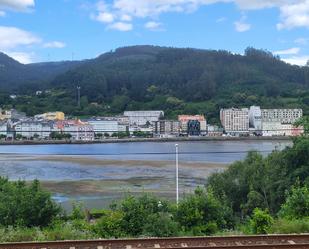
{"x":263,"y":241}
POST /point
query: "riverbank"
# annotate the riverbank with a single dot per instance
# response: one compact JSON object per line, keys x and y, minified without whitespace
{"x":132,"y":140}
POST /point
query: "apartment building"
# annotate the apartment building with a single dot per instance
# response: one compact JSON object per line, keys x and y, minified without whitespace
{"x":50,"y":116}
{"x":77,"y":129}
{"x":143,"y":117}
{"x":104,"y":125}
{"x":235,"y":121}
{"x":166,"y":128}
{"x":33,"y":129}
{"x":187,"y":125}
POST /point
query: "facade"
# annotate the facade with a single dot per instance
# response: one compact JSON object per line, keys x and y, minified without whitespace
{"x":288,"y":116}
{"x":214,"y":131}
{"x":104,"y":125}
{"x":166,"y":128}
{"x":5,"y":114}
{"x":194,"y":128}
{"x":184,"y":120}
{"x":33,"y":129}
{"x":235,"y":121}
{"x":3,"y":128}
{"x":143,"y":117}
{"x":279,"y":122}
{"x":255,"y":119}
{"x":77,"y":129}
{"x":50,"y":116}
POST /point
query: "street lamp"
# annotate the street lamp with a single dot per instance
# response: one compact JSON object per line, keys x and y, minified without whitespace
{"x":177,"y":189}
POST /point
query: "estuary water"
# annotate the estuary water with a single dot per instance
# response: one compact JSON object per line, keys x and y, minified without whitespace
{"x":100,"y":173}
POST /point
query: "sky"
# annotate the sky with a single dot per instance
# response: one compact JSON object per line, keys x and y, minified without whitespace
{"x":55,"y":30}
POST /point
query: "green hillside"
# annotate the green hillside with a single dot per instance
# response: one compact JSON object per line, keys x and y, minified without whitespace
{"x":175,"y":80}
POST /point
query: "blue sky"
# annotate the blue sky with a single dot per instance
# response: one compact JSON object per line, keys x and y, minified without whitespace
{"x":53,"y":30}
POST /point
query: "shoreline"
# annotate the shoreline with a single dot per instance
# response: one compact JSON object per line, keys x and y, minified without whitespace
{"x":135,"y":140}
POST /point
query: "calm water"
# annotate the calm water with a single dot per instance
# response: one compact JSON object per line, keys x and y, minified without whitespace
{"x":106,"y":163}
{"x":208,"y":151}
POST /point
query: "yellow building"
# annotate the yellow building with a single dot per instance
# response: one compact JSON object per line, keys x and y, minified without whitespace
{"x":4,"y":114}
{"x":51,"y":116}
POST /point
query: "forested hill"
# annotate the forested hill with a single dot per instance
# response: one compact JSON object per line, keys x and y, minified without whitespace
{"x":17,"y":77}
{"x":177,"y":81}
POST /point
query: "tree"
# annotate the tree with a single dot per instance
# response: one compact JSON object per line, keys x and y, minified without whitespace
{"x":261,"y":221}
{"x":297,"y":203}
{"x":203,"y":213}
{"x":22,"y":205}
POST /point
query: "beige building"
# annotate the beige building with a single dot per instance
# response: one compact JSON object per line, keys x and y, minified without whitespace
{"x":235,"y":121}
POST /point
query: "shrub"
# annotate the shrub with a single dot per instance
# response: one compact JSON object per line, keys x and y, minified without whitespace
{"x":261,"y":221}
{"x":297,"y":204}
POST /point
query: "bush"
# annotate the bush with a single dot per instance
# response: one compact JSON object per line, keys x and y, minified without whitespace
{"x":297,"y":204}
{"x":285,"y":226}
{"x":261,"y":221}
{"x":110,"y":225}
{"x":22,"y":205}
{"x":160,"y":225}
{"x":202,"y":213}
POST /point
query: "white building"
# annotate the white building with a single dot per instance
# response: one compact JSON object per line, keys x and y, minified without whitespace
{"x":143,"y":117}
{"x":166,"y":128}
{"x":235,"y":121}
{"x":32,"y":128}
{"x":77,"y":129}
{"x":279,"y":122}
{"x":104,"y":125}
{"x":288,"y":116}
{"x":255,"y":118}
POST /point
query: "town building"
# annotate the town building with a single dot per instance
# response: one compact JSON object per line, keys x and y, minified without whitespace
{"x":143,"y":117}
{"x":3,"y":128}
{"x":77,"y":129}
{"x":235,"y":121}
{"x":166,"y":128}
{"x":50,"y":116}
{"x":214,"y":131}
{"x":255,"y":119}
{"x":280,"y":122}
{"x":33,"y":129}
{"x":104,"y":125}
{"x":193,"y":124}
{"x":5,"y":114}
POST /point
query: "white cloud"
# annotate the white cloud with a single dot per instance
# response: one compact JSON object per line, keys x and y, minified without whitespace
{"x":302,"y":41}
{"x":54,"y":44}
{"x":11,"y":37}
{"x":289,"y":51}
{"x":2,"y":13}
{"x":125,"y":18}
{"x":121,"y":26}
{"x":105,"y":17}
{"x":241,"y":26}
{"x":297,"y":60}
{"x":294,"y":15}
{"x":22,"y":57}
{"x":17,"y":5}
{"x":154,"y":26}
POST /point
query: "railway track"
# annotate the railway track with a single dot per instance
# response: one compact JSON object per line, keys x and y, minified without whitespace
{"x":236,"y":242}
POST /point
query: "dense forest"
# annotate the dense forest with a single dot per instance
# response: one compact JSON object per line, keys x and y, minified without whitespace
{"x":258,"y":195}
{"x":173,"y":79}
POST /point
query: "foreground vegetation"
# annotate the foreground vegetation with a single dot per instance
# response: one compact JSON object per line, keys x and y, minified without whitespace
{"x":255,"y":196}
